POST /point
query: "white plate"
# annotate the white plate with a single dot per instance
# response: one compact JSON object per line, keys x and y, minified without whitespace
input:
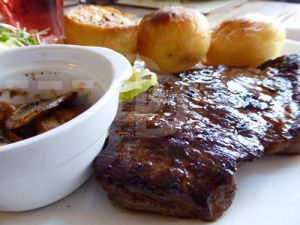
{"x":268,"y":194}
{"x":203,"y":6}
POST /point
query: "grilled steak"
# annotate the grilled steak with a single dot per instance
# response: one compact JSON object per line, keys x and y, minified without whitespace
{"x":175,"y":148}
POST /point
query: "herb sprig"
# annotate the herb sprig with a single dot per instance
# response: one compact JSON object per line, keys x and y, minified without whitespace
{"x":18,"y":36}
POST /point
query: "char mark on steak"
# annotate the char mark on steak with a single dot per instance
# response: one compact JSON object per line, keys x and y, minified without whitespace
{"x":175,"y":148}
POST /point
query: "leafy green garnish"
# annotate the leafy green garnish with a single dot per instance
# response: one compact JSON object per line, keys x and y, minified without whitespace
{"x":5,"y":35}
{"x":139,"y":82}
{"x":15,"y":37}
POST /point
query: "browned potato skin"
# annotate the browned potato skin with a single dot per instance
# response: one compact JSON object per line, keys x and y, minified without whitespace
{"x":173,"y":38}
{"x":120,"y":39}
{"x":246,"y":40}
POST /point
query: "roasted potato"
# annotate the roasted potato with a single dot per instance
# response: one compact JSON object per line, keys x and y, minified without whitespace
{"x":102,"y":26}
{"x":246,"y":40}
{"x":173,"y":39}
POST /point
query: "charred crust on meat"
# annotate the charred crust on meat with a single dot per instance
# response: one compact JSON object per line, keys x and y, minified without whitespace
{"x":139,"y":166}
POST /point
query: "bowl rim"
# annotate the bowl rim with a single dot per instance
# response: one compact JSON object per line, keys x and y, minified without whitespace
{"x":117,"y":62}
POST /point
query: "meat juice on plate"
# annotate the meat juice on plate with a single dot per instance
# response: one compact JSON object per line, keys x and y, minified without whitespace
{"x":34,"y":14}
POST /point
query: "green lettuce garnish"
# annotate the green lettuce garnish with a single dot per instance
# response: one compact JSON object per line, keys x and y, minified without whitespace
{"x":11,"y":37}
{"x":139,"y":82}
{"x":7,"y":44}
{"x":5,"y":39}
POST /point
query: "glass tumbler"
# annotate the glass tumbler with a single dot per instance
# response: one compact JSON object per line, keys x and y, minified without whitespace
{"x":34,"y":14}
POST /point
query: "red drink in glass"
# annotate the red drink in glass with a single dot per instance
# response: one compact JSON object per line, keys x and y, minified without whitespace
{"x":34,"y":14}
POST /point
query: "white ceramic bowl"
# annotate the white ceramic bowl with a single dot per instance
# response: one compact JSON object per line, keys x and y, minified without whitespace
{"x":40,"y":170}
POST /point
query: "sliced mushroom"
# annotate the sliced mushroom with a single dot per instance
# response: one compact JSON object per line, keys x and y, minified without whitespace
{"x":55,"y":119}
{"x":3,"y":139}
{"x":6,"y":109}
{"x":12,"y":136}
{"x":26,"y":131}
{"x":7,"y":136}
{"x":27,"y":112}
